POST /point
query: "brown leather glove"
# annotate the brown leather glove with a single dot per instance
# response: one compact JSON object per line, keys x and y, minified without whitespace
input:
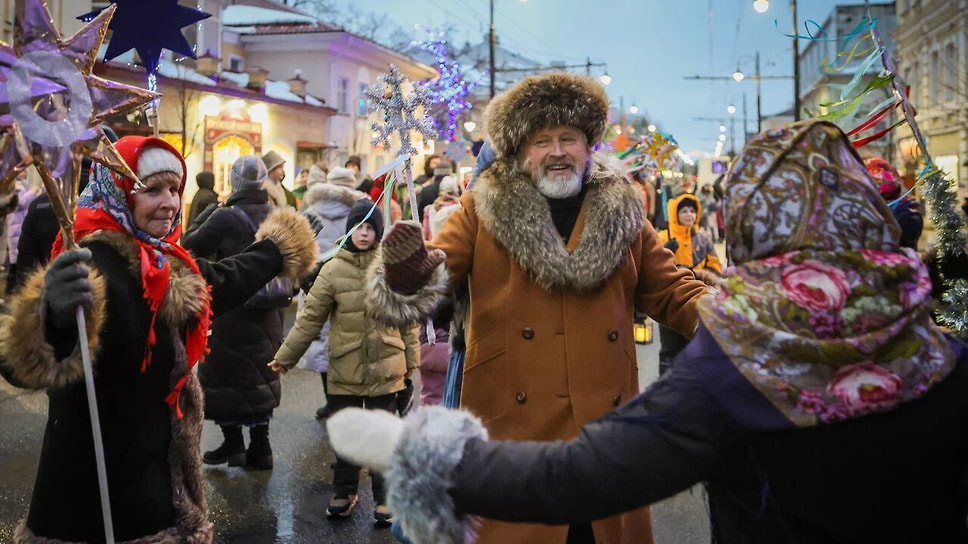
{"x":407,"y":262}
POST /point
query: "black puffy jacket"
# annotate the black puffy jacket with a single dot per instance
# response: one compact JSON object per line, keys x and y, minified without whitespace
{"x":235,"y":377}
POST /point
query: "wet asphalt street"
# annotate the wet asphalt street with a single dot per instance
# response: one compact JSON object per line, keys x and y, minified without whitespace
{"x":287,"y":504}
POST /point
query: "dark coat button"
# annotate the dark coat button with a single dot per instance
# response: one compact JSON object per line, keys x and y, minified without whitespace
{"x":617,"y":400}
{"x":612,"y":336}
{"x":522,"y":397}
{"x":527,"y":333}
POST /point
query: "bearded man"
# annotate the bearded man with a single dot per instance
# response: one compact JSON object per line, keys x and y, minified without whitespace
{"x":557,"y":254}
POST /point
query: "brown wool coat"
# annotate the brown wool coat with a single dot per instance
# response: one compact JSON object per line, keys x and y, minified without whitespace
{"x":549,"y":344}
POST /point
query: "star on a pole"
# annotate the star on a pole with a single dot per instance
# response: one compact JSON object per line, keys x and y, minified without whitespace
{"x":399,"y":111}
{"x":148,"y":26}
{"x":53,"y":130}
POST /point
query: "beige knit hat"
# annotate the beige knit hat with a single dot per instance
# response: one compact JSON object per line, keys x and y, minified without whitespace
{"x":342,"y":176}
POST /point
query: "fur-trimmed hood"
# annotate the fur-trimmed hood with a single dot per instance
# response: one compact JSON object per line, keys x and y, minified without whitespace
{"x":327,"y":192}
{"x":518,"y":216}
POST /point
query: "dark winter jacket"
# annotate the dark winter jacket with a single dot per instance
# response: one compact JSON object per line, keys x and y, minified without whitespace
{"x":235,"y":377}
{"x":907,"y":212}
{"x":37,"y":236}
{"x":205,"y":197}
{"x":153,"y":466}
{"x":893,"y":477}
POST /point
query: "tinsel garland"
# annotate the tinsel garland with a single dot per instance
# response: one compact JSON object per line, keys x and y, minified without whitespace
{"x":951,"y":242}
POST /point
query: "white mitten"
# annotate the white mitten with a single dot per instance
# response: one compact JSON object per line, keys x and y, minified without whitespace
{"x":365,"y":437}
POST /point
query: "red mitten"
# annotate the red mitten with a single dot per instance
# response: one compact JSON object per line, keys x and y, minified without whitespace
{"x":407,"y":262}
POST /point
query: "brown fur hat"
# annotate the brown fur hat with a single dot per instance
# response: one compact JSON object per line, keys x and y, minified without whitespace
{"x":544,"y":101}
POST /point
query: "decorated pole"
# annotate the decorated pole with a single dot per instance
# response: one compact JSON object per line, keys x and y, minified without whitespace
{"x":165,"y":19}
{"x":51,"y":130}
{"x":399,"y":108}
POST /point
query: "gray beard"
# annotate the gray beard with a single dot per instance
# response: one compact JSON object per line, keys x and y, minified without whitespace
{"x":559,"y":188}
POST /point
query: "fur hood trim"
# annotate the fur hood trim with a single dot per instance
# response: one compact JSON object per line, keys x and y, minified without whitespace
{"x":545,"y":101}
{"x":295,"y":239}
{"x":391,"y":309}
{"x":517,"y":215}
{"x":418,"y":497}
{"x":327,"y":191}
{"x":28,"y":356}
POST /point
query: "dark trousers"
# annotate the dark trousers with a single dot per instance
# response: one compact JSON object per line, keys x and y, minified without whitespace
{"x":346,"y":475}
{"x":671,"y":343}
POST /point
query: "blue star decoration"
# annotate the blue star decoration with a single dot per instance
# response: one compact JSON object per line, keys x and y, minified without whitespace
{"x":148,"y":26}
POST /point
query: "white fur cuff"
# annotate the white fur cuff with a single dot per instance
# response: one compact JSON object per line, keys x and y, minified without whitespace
{"x":421,"y":475}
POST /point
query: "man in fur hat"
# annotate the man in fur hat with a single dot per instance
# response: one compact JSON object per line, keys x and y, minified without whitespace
{"x":554,"y":246}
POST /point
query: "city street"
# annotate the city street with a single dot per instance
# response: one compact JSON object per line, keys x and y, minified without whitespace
{"x":285,"y":505}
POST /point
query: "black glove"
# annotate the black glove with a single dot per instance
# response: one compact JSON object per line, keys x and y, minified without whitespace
{"x":67,"y":286}
{"x":672,"y":245}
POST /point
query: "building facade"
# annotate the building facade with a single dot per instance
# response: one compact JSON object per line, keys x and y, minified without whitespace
{"x":932,"y":53}
{"x":826,"y":66}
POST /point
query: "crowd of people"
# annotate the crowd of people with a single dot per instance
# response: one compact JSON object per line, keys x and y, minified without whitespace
{"x":792,"y":380}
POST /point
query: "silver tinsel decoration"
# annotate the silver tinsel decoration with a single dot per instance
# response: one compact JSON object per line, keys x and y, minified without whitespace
{"x":951,"y":241}
{"x":399,"y":111}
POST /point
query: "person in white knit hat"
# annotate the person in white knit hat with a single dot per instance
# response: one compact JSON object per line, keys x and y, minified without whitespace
{"x":345,"y":177}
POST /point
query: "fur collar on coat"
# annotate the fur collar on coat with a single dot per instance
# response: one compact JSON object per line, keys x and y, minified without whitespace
{"x":518,"y":217}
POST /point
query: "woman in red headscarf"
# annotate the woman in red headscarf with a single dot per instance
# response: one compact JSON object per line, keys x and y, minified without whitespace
{"x":148,"y":306}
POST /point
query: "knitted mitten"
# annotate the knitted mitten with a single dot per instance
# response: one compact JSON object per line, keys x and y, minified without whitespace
{"x":408,"y":263}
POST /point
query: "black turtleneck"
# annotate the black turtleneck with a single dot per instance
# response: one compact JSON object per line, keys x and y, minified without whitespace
{"x":564,"y":213}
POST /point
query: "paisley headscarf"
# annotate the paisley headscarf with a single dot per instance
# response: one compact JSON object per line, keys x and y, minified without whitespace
{"x":822,"y":311}
{"x":106,"y":204}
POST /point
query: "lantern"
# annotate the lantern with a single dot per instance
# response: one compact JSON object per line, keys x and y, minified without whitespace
{"x":642,"y":331}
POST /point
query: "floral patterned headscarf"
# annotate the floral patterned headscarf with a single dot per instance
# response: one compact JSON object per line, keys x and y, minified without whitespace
{"x":822,"y":311}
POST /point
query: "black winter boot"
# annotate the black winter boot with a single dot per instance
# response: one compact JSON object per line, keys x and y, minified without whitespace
{"x":324,"y":412}
{"x":259,"y":454}
{"x":232,"y":449}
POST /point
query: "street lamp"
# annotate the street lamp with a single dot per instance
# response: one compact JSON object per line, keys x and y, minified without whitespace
{"x":605,"y":79}
{"x":469,"y":126}
{"x":651,"y":128}
{"x":761,"y":6}
{"x":731,"y":109}
{"x":633,"y":109}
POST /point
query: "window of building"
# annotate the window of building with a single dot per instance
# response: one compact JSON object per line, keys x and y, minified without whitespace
{"x":951,"y":74}
{"x":342,"y":95}
{"x":361,"y":102}
{"x":936,"y":82}
{"x":236,"y":64}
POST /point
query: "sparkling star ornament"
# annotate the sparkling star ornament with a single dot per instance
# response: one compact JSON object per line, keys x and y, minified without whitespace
{"x":54,"y":130}
{"x":399,"y":111}
{"x":148,"y":26}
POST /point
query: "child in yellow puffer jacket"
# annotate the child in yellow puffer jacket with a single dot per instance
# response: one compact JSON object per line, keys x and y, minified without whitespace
{"x":693,"y":249}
